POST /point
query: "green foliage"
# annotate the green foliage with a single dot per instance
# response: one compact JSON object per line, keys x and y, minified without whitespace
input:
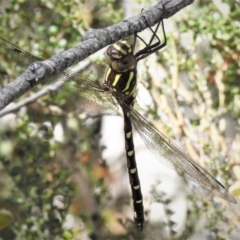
{"x":54,"y":25}
{"x":197,"y":99}
{"x":38,"y":179}
{"x":36,"y":168}
{"x":223,"y":34}
{"x":45,"y":181}
{"x":6,"y":219}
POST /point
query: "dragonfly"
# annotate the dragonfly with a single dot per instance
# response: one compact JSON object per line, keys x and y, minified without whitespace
{"x":119,"y":90}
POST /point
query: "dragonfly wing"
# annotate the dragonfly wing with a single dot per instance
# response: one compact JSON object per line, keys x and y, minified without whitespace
{"x":169,"y":154}
{"x":20,"y":56}
{"x":85,"y":95}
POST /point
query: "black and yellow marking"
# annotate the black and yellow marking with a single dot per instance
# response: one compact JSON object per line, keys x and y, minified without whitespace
{"x":130,"y":153}
{"x":123,"y":47}
{"x":128,"y":135}
{"x":121,"y":78}
{"x":133,"y":173}
{"x":125,"y":83}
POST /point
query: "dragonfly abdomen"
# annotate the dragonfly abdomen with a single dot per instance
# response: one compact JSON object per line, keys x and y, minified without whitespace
{"x":133,"y":173}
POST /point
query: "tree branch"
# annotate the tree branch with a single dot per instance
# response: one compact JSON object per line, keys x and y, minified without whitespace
{"x":94,"y":40}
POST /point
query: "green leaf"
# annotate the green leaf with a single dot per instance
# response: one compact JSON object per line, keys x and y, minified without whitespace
{"x":6,"y":218}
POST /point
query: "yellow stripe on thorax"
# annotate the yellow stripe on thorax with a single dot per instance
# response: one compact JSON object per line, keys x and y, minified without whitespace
{"x":108,"y":72}
{"x":131,"y":75}
{"x":133,"y":93}
{"x":116,"y":79}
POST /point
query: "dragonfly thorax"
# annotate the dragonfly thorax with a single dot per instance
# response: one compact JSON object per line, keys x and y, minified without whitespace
{"x":121,"y":74}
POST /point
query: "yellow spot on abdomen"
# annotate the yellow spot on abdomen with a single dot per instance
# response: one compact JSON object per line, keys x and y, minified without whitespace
{"x":132,"y":171}
{"x":130,"y":153}
{"x":129,"y":134}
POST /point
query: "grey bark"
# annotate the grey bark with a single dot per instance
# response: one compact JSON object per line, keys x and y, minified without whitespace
{"x":94,"y":40}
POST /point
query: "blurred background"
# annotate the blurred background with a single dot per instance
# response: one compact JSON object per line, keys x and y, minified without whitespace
{"x":63,"y":174}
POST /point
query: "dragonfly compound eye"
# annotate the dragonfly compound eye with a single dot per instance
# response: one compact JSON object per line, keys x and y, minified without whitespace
{"x":124,"y":64}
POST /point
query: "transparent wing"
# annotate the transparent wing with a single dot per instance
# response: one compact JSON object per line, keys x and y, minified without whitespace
{"x":86,"y":95}
{"x":83,"y":94}
{"x":171,"y":156}
{"x":23,"y":58}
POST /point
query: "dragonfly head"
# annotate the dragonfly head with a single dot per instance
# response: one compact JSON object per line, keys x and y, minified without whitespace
{"x":119,"y":56}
